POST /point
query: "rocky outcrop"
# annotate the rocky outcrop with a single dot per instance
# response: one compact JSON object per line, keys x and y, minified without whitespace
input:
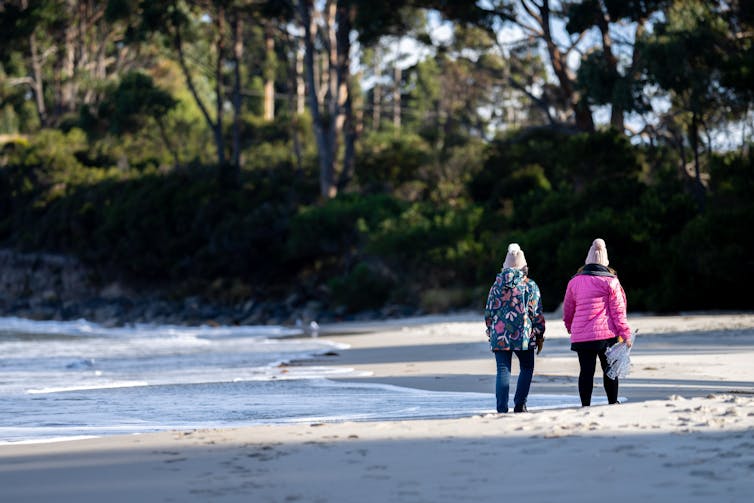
{"x":44,"y":286}
{"x":40,"y":280}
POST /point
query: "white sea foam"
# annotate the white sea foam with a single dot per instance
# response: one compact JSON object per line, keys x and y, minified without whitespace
{"x":88,"y":329}
{"x":129,"y":384}
{"x":73,"y":379}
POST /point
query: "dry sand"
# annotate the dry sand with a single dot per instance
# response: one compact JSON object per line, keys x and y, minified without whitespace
{"x":684,"y":433}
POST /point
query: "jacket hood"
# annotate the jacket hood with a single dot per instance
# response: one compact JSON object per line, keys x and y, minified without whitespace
{"x":510,"y":277}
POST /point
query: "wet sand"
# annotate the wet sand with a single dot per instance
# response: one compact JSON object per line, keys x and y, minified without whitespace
{"x":685,"y":431}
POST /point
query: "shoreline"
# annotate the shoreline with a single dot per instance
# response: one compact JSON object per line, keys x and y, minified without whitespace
{"x":685,"y":434}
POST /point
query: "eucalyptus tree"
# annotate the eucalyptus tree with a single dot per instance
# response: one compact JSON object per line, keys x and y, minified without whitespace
{"x":129,"y":106}
{"x":689,"y":55}
{"x":206,"y":37}
{"x":67,"y":50}
{"x":587,"y":65}
{"x":609,"y":72}
{"x":18,"y":45}
{"x":326,"y":30}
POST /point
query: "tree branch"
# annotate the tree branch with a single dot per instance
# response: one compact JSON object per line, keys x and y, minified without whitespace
{"x":19,"y":81}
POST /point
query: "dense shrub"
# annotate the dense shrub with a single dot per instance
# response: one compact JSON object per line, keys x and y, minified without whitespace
{"x":338,"y":227}
{"x":364,"y":287}
{"x":436,"y":250}
{"x":386,"y":160}
{"x":434,"y":246}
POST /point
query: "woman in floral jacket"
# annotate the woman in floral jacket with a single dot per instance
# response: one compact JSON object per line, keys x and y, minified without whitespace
{"x":515,"y":324}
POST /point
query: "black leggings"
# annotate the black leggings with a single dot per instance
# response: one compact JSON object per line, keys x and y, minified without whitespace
{"x":588,"y":362}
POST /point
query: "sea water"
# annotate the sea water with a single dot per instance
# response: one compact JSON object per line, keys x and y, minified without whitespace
{"x":62,"y":380}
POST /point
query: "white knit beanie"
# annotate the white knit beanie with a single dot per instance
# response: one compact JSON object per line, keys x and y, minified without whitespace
{"x":515,"y":258}
{"x":597,"y":253}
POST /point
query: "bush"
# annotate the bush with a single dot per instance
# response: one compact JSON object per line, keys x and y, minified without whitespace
{"x":386,"y":160}
{"x":429,"y":245}
{"x":336,"y":229}
{"x":364,"y":287}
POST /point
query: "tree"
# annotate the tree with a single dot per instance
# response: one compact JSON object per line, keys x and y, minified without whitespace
{"x":219,"y":24}
{"x":610,"y":73}
{"x":128,"y":107}
{"x":69,"y":48}
{"x":330,"y":30}
{"x":684,"y":56}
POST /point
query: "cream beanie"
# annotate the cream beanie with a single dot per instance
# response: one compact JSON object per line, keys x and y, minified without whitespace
{"x":597,"y":253}
{"x":515,"y":258}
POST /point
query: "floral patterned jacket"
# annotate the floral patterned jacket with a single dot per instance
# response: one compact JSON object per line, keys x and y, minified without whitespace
{"x":513,"y":313}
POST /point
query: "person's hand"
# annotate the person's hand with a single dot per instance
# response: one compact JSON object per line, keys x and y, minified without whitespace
{"x":629,"y":343}
{"x":540,"y":343}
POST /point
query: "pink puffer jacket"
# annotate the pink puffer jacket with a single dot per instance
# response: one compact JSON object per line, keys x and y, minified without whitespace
{"x":595,"y":308}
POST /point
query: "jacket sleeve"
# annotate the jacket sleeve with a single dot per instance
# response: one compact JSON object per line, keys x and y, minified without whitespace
{"x":488,"y":311}
{"x":569,"y":306}
{"x":618,"y":307}
{"x":535,"y":312}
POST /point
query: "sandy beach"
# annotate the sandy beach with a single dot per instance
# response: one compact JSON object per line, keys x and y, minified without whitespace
{"x":684,"y":432}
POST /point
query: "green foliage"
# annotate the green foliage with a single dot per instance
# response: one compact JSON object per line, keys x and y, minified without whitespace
{"x":386,"y":160}
{"x":582,"y":15}
{"x":178,"y":228}
{"x":134,"y":100}
{"x":156,"y":228}
{"x":593,"y":188}
{"x":605,"y":85}
{"x":534,"y":162}
{"x":694,"y":35}
{"x":56,"y":157}
{"x":597,"y":77}
{"x":433,"y":246}
{"x":433,"y":205}
{"x":364,"y":287}
{"x":336,"y":229}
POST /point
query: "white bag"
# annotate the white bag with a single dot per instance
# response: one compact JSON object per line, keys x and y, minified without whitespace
{"x":618,"y":360}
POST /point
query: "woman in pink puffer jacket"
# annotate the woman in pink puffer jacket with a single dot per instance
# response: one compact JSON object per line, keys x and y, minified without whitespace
{"x":594,"y":312}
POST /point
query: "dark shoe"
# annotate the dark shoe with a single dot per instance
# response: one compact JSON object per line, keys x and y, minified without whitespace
{"x":520,"y":408}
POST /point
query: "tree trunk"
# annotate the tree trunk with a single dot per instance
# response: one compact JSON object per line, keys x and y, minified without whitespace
{"x":699,"y":191}
{"x":344,"y":16}
{"x":68,"y":69}
{"x":216,"y":127}
{"x":300,"y":84}
{"x":603,"y":22}
{"x":582,"y":114}
{"x":220,"y":51}
{"x":377,"y":92}
{"x":236,"y":28}
{"x":269,"y":75}
{"x":319,"y":123}
{"x":296,"y":101}
{"x":397,"y":74}
{"x":166,"y":140}
{"x":37,"y":83}
{"x":332,"y":123}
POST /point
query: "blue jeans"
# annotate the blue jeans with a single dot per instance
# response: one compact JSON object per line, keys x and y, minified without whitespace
{"x":502,"y":382}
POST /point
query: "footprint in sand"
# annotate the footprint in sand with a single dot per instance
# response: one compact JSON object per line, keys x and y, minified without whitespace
{"x":706,"y":474}
{"x":623,"y":448}
{"x":729,"y":455}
